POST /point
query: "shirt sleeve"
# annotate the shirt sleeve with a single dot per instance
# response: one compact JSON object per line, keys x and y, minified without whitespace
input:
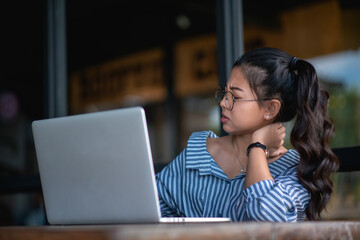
{"x":169,"y":182}
{"x":282,"y":200}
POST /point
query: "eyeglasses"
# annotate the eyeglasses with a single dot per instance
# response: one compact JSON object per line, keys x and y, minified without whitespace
{"x":230,"y":99}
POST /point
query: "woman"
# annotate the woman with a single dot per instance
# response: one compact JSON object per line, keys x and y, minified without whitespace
{"x":248,"y":175}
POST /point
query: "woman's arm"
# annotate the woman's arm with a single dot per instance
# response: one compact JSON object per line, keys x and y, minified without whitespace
{"x":271,"y":136}
{"x":169,"y":187}
{"x":281,"y":200}
{"x":257,"y":168}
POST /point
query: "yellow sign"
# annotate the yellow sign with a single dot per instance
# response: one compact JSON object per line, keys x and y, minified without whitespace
{"x":196,"y":66}
{"x":130,"y":80}
{"x":139,"y":78}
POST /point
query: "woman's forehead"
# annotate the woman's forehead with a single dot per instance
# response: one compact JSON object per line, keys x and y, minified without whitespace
{"x":237,"y":80}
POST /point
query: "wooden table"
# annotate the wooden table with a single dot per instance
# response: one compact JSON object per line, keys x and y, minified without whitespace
{"x":209,"y":231}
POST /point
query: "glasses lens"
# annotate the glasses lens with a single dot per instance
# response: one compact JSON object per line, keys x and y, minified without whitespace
{"x":228,"y":100}
{"x":219,"y":95}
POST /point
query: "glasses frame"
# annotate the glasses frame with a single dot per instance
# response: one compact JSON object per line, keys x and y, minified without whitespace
{"x":220,"y":94}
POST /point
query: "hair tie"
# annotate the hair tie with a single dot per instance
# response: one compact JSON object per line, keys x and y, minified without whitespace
{"x":292,"y":63}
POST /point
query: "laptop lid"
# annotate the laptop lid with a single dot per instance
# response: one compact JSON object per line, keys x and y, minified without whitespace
{"x":97,"y":168}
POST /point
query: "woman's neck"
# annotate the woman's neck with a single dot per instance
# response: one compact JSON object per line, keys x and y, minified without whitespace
{"x":240,"y":142}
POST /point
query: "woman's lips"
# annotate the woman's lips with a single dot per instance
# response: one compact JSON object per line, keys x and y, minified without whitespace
{"x":224,"y":119}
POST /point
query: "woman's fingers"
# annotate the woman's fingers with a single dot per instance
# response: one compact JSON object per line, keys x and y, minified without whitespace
{"x":276,"y":153}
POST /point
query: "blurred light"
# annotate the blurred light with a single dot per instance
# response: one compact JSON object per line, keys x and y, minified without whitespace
{"x":9,"y":106}
{"x":342,"y":67}
{"x":183,"y":22}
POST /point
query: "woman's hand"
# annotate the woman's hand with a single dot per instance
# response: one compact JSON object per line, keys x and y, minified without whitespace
{"x":272,"y":136}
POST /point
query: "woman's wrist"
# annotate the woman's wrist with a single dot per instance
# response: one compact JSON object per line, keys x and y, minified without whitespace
{"x":260,"y":146}
{"x":257,"y":168}
{"x":258,"y":138}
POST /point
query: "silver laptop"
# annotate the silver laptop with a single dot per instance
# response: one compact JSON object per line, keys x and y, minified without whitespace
{"x":97,"y":168}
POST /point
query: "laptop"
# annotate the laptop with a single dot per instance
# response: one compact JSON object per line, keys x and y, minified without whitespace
{"x":97,"y":168}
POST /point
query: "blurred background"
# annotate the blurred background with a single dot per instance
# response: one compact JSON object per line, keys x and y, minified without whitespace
{"x":164,"y":56}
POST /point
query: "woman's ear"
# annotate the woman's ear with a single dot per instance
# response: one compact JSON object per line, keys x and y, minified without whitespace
{"x":272,"y":108}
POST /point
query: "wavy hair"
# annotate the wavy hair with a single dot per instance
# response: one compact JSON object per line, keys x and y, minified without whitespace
{"x":273,"y":73}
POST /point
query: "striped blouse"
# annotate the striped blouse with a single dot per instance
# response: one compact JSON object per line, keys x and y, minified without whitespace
{"x":193,"y":185}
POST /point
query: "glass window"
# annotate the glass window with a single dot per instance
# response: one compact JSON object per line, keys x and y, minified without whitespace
{"x":21,"y":101}
{"x":164,"y":58}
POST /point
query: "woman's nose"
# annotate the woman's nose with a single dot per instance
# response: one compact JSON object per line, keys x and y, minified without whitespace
{"x":222,"y":102}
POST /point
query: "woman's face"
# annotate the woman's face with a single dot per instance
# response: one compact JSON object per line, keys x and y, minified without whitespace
{"x":246,"y":116}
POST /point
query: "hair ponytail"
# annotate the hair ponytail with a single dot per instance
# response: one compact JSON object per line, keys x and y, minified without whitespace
{"x":273,"y":73}
{"x":311,"y":138}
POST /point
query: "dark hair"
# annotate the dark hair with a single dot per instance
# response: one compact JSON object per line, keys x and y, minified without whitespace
{"x":273,"y":73}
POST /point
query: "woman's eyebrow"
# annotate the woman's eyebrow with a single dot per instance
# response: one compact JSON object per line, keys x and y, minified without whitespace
{"x":236,"y":88}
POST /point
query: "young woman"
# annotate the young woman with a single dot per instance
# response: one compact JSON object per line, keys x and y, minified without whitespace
{"x":248,"y":175}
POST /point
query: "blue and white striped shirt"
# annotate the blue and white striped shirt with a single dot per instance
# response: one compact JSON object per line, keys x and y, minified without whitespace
{"x":193,"y":185}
